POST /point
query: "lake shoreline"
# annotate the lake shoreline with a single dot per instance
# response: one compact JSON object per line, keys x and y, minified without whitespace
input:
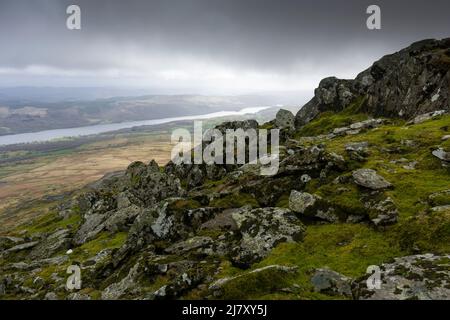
{"x":86,"y":131}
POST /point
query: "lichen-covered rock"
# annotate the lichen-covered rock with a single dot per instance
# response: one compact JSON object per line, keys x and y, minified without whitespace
{"x":149,"y":184}
{"x":311,"y":205}
{"x":168,"y":221}
{"x":369,"y":178}
{"x":60,"y":240}
{"x":423,"y":277}
{"x":384,"y":212}
{"x":194,"y":243}
{"x":8,"y":242}
{"x":118,"y":289}
{"x":331,"y":283}
{"x":427,"y":116}
{"x":284,"y":119}
{"x":20,"y":247}
{"x":106,"y":209}
{"x":300,"y":202}
{"x":261,"y":230}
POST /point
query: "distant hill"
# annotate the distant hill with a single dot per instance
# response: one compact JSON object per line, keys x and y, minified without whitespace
{"x":27,"y":115}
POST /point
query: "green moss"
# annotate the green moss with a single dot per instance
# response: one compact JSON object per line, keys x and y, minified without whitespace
{"x":252,"y":285}
{"x":327,"y":121}
{"x":426,"y":233}
{"x":283,"y":201}
{"x":184,"y":204}
{"x":235,"y":201}
{"x":344,"y":197}
{"x":411,"y":187}
{"x":345,"y":248}
{"x":105,"y":240}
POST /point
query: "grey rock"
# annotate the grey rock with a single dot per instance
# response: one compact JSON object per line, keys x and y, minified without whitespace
{"x":385,"y":210}
{"x":312,"y":206}
{"x":222,"y":221}
{"x":50,"y":296}
{"x":423,"y":277}
{"x":195,"y":177}
{"x":8,"y":242}
{"x":261,"y":230}
{"x":194,"y":243}
{"x":332,"y":283}
{"x":78,"y":296}
{"x":445,"y":208}
{"x":118,"y":289}
{"x":60,"y":240}
{"x":285,"y":119}
{"x":92,"y":226}
{"x":369,"y":178}
{"x":23,"y":246}
{"x":30,"y":265}
{"x":357,"y":146}
{"x":441,"y":154}
{"x":305,"y":178}
{"x":301,"y":201}
{"x":427,"y":116}
{"x":439,"y":198}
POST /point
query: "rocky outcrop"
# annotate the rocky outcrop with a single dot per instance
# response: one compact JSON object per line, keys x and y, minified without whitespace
{"x":261,"y":230}
{"x":411,"y":82}
{"x":423,"y":277}
{"x":114,"y":204}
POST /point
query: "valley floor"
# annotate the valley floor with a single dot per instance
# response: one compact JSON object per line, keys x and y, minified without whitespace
{"x":55,"y":173}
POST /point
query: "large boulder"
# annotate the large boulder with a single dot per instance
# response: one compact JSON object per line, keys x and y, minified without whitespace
{"x":261,"y":230}
{"x":368,"y":178}
{"x":285,"y":120}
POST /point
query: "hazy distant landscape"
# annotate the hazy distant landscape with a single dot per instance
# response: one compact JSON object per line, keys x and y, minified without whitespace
{"x":18,"y":115}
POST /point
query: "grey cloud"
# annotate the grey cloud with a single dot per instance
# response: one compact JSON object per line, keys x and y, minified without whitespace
{"x":286,"y":37}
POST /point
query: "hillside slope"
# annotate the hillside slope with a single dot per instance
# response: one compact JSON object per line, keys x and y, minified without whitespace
{"x":352,"y":191}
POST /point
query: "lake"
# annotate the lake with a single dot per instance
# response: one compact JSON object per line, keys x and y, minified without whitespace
{"x":47,"y":135}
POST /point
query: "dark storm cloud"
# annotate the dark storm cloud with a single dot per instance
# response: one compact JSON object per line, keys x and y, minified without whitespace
{"x":179,"y":39}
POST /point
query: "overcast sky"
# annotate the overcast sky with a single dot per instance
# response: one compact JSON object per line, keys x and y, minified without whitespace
{"x":200,"y":46}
